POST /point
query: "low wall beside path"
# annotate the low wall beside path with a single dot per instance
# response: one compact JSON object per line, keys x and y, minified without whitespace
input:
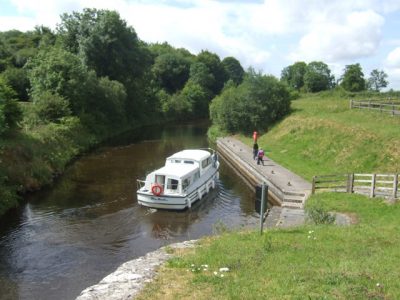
{"x":285,"y":188}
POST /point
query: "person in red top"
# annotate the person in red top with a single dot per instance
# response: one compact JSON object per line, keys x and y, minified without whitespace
{"x":255,"y":136}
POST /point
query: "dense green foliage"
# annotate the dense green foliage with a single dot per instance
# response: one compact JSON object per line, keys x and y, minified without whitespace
{"x":358,"y":261}
{"x":255,"y":104}
{"x":293,"y":75}
{"x":318,"y":77}
{"x":353,"y":78}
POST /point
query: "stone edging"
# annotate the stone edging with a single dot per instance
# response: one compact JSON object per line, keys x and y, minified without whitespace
{"x":130,"y":278}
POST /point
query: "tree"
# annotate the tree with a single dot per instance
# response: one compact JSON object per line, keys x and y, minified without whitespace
{"x":60,"y":72}
{"x":293,"y":75}
{"x":171,"y":71}
{"x":105,"y":43}
{"x":353,"y":78}
{"x":377,"y":80}
{"x":199,"y":98}
{"x":255,"y":104}
{"x":318,"y":77}
{"x":233,"y":69}
{"x":213,"y":63}
{"x":17,"y":79}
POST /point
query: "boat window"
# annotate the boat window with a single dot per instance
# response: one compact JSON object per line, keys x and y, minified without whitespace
{"x":196,"y":176}
{"x":189,"y":162}
{"x":178,"y":161}
{"x":206,"y":162}
{"x":172,"y":184}
{"x":185,"y":183}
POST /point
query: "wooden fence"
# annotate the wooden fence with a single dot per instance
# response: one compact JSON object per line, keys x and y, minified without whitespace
{"x":388,"y":106}
{"x":380,"y":185}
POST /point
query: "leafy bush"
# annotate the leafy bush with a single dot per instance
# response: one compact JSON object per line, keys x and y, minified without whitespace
{"x":10,"y":112}
{"x":255,"y":104}
{"x":50,"y":107}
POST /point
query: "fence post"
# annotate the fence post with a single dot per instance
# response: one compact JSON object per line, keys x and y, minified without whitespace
{"x":350,"y":183}
{"x":351,"y":104}
{"x":369,"y":105}
{"x":372,"y":195}
{"x":392,"y":110}
{"x":313,"y":186}
{"x":395,"y":183}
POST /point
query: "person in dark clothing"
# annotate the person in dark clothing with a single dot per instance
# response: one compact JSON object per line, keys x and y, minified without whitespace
{"x":260,"y":157}
{"x":255,"y":151}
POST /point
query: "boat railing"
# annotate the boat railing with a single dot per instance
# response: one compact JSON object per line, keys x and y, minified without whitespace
{"x":142,"y":183}
{"x":209,"y":150}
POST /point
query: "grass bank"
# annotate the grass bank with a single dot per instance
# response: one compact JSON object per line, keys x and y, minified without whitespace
{"x":32,"y":157}
{"x":323,"y":136}
{"x":308,"y":262}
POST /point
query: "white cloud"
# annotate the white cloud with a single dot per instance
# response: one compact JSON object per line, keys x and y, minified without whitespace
{"x":392,"y":67}
{"x":359,"y":35}
{"x":393,"y":58}
{"x":9,"y":23}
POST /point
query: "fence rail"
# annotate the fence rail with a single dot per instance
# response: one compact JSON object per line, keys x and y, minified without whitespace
{"x":388,"y":106}
{"x":381,"y":185}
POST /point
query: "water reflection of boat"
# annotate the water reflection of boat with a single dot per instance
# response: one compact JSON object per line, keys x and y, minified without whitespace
{"x":186,"y":177}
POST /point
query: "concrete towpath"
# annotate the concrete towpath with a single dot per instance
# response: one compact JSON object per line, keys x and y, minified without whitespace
{"x":285,"y":187}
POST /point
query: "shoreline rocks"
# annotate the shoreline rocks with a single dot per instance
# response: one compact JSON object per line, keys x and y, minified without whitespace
{"x":130,"y":278}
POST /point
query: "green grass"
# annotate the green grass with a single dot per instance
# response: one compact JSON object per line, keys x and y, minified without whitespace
{"x":309,"y":262}
{"x":323,"y":136}
{"x":360,"y":261}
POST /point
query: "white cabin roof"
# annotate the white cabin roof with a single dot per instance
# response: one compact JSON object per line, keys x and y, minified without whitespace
{"x":176,"y":170}
{"x":196,"y":155}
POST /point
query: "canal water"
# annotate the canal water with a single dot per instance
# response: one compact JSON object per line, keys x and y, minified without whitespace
{"x":70,"y":236}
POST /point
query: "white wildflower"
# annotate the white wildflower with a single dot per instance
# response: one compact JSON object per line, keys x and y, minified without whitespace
{"x":222,"y":275}
{"x":224,"y":269}
{"x":215,"y":273}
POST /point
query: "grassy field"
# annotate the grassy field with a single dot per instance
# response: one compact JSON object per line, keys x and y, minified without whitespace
{"x":309,"y":262}
{"x":323,"y":136}
{"x":360,"y":261}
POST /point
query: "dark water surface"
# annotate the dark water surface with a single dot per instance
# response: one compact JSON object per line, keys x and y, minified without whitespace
{"x":70,"y":236}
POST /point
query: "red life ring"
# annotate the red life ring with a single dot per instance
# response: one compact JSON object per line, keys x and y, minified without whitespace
{"x":156,"y":189}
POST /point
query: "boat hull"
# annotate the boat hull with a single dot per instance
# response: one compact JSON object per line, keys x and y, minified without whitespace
{"x":177,"y":202}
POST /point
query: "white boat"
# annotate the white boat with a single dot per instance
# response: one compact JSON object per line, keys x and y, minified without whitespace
{"x":186,"y":177}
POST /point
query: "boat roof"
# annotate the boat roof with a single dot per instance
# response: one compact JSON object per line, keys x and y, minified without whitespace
{"x":176,"y":170}
{"x":194,"y":154}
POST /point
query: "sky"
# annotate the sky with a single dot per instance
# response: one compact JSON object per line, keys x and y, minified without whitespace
{"x":267,"y":35}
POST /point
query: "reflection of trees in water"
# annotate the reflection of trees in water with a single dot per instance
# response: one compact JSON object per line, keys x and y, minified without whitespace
{"x":169,"y":224}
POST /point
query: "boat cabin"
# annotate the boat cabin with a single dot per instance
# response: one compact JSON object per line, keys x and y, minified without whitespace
{"x":181,"y":170}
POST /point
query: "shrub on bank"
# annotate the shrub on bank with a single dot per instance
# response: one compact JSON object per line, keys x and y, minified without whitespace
{"x":255,"y":104}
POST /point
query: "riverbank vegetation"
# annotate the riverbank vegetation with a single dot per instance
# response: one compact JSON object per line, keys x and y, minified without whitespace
{"x":311,"y":261}
{"x":62,"y":92}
